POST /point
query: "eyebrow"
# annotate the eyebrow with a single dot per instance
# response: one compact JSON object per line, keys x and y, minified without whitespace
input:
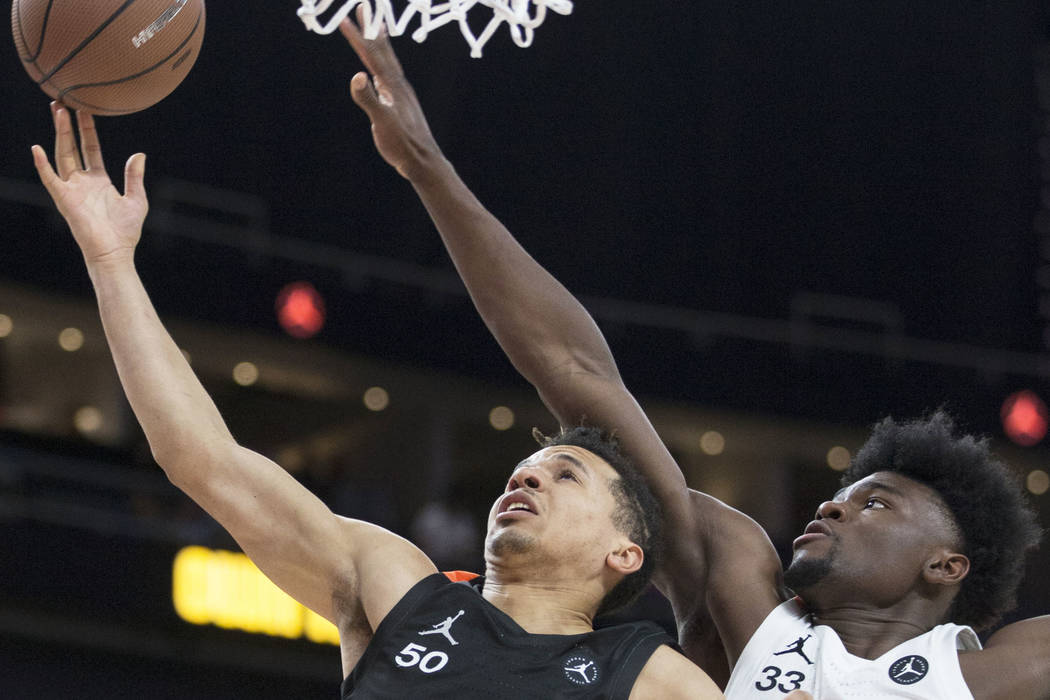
{"x":874,"y":486}
{"x":560,"y":455}
{"x":569,"y":458}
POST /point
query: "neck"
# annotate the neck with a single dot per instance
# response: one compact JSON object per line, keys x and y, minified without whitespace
{"x":540,"y":606}
{"x":870,"y":632}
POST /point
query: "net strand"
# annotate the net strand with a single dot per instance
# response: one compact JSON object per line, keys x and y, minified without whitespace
{"x":520,"y":22}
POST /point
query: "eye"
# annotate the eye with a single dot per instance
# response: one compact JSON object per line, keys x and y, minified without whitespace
{"x":874,"y":503}
{"x":567,"y":474}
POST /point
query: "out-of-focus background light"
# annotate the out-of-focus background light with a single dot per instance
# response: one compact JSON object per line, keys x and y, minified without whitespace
{"x":300,"y":310}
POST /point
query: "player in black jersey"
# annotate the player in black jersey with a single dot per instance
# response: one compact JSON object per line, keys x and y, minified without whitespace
{"x":559,"y":540}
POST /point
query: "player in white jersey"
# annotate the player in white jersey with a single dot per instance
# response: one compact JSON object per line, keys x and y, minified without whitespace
{"x":930,"y":528}
{"x":789,"y":652}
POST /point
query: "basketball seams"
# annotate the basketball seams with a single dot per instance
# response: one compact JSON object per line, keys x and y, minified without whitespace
{"x":88,"y":40}
{"x":99,"y":72}
{"x":65,"y":93}
{"x":31,"y":55}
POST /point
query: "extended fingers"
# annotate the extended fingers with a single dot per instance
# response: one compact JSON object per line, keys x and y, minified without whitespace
{"x":47,"y":174}
{"x":89,"y":145}
{"x":377,"y":54}
{"x":67,"y":157}
{"x":364,"y":94}
{"x":134,"y":174}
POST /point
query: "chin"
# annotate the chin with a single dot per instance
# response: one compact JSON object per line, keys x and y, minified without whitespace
{"x":510,"y":542}
{"x":805,"y":573}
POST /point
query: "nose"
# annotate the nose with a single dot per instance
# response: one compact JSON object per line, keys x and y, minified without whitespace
{"x":526,"y":477}
{"x":832,"y":510}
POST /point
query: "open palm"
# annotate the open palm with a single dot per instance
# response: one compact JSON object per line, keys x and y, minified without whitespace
{"x":104,"y":222}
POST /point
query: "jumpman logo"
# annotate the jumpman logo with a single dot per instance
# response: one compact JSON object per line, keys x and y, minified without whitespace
{"x":795,"y":647}
{"x":444,"y":627}
{"x":907,"y":669}
{"x":582,"y":670}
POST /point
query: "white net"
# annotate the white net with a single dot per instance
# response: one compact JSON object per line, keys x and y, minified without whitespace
{"x":521,"y":16}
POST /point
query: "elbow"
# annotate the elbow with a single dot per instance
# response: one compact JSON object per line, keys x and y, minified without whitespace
{"x":561,"y":364}
{"x":187,"y":462}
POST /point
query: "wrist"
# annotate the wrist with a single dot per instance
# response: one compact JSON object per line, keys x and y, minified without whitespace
{"x":429,"y":169}
{"x":117,"y":260}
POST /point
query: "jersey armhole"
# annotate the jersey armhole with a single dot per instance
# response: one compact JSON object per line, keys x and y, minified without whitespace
{"x":397,"y":614}
{"x":634,"y":661}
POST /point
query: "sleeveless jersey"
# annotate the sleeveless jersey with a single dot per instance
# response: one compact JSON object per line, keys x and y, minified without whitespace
{"x":444,"y":640}
{"x":788,"y":652}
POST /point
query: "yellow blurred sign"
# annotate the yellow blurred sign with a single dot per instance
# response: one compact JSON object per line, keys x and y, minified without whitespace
{"x":214,"y":587}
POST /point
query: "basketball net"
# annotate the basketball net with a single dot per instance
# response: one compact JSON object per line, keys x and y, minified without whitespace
{"x":516,"y":13}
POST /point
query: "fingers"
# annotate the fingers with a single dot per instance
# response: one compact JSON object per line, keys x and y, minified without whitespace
{"x":67,"y":157}
{"x":47,"y":174}
{"x":89,"y":145}
{"x":134,"y":174}
{"x":377,"y":54}
{"x":357,"y":41}
{"x":364,"y":94}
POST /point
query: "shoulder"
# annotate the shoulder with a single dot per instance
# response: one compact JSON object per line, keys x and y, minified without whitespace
{"x":714,"y":536}
{"x":1015,"y":662}
{"x":740,"y":580}
{"x":668,"y":675}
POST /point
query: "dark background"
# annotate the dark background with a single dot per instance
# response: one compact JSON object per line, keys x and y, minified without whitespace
{"x":696,"y":156}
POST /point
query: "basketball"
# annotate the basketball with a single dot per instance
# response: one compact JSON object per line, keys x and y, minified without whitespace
{"x":108,"y":57}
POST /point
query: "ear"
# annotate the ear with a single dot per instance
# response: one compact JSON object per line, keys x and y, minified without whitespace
{"x":625,"y":560}
{"x":947,"y":568}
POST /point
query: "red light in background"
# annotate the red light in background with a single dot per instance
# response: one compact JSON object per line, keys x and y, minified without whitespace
{"x":1025,"y":418}
{"x":300,"y":310}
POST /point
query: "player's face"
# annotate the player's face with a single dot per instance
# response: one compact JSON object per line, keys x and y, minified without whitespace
{"x":557,"y":504}
{"x":870,"y":543}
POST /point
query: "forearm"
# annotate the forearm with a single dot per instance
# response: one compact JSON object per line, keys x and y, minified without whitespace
{"x":541,"y":327}
{"x":546,"y":333}
{"x":179,"y":418}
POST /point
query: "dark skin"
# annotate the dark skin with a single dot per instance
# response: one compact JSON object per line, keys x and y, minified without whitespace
{"x":898,"y":568}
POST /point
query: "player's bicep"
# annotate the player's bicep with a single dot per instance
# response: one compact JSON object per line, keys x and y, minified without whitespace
{"x":744,"y":577}
{"x":386,"y":566}
{"x":669,"y":675}
{"x":1015,"y":662}
{"x":310,"y":553}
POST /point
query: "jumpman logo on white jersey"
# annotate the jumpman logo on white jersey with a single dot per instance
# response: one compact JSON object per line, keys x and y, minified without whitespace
{"x":582,"y":670}
{"x":907,"y":669}
{"x":444,"y":627}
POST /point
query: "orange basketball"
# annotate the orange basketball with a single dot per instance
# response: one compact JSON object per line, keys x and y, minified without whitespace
{"x":108,"y":56}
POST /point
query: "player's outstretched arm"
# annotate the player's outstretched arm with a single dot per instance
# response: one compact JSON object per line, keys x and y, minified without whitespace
{"x":555,"y":344}
{"x":547,"y":334}
{"x":323,"y":561}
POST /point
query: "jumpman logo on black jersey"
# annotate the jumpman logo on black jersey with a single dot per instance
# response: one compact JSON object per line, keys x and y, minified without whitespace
{"x":443,"y":627}
{"x":582,"y":670}
{"x":795,"y":647}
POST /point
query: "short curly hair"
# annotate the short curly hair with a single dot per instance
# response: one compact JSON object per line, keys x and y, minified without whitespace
{"x":984,"y":498}
{"x":638,"y":514}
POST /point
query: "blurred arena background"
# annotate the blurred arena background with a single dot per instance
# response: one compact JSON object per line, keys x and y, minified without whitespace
{"x":789,"y":219}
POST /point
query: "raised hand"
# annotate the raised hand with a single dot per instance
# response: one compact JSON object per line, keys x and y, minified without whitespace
{"x":399,"y":127}
{"x":104,"y":223}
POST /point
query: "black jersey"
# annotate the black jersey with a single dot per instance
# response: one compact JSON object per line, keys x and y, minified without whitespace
{"x":444,"y":640}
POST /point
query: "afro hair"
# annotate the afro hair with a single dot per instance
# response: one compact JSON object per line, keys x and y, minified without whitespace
{"x":983,"y":496}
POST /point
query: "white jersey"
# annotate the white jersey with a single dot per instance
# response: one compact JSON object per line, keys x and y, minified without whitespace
{"x":788,"y":652}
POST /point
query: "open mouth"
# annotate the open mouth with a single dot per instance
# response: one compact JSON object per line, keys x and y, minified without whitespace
{"x":516,"y":503}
